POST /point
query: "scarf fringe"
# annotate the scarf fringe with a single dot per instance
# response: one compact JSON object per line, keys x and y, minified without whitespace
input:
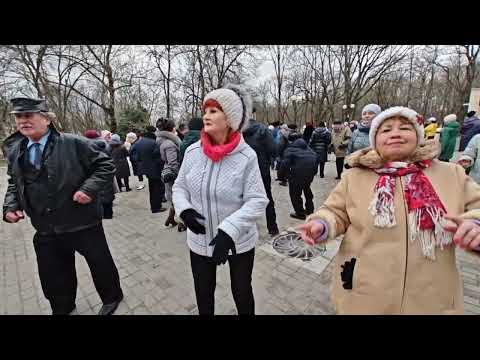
{"x":429,"y":239}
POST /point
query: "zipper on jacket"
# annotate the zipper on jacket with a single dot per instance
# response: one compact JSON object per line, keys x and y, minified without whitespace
{"x":209,"y":205}
{"x":406,"y":254}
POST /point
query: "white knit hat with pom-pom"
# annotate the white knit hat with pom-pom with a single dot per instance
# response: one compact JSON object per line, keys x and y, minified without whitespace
{"x":409,"y":114}
{"x":236,"y":104}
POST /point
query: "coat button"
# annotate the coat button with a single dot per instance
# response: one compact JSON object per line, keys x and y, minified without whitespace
{"x":49,"y":210}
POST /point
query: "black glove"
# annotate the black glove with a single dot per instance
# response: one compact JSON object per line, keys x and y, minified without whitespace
{"x":189,"y":218}
{"x":223,"y":243}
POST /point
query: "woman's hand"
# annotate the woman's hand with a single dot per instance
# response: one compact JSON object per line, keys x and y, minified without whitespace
{"x":311,"y":231}
{"x":191,"y":220}
{"x":466,"y":232}
{"x":464,"y":163}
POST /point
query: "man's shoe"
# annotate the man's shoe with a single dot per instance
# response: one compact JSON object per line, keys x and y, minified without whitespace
{"x":127,"y":190}
{"x":337,"y":178}
{"x":159,"y":210}
{"x":140,"y":187}
{"x":273,"y":233}
{"x":283,"y":183}
{"x":164,"y":200}
{"x":298,"y":216}
{"x":109,"y":309}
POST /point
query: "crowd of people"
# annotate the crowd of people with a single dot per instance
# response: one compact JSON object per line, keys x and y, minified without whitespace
{"x":400,"y":203}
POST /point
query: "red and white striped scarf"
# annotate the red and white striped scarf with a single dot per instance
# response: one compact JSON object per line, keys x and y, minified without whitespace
{"x":425,"y":209}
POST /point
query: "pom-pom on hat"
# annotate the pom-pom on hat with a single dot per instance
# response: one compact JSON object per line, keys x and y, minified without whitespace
{"x":397,"y":111}
{"x":235,"y":102}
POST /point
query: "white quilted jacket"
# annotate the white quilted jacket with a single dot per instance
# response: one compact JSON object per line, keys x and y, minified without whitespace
{"x":228,"y":193}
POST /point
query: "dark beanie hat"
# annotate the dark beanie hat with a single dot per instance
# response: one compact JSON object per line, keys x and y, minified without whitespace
{"x":195,"y":124}
{"x":91,"y":134}
{"x":471,"y":113}
{"x":150,"y":129}
{"x":294,"y":136}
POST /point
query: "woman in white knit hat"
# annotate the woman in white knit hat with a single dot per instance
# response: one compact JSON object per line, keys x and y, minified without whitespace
{"x":219,"y":195}
{"x":360,"y":138}
{"x":402,"y":213}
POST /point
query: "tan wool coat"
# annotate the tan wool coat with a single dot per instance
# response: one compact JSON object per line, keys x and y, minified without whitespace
{"x":391,"y":275}
{"x":340,"y":141}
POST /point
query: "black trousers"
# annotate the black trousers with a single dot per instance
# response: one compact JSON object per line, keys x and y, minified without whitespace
{"x":270,"y":210}
{"x":205,"y":280}
{"x":119,"y":182}
{"x":108,"y":210}
{"x":295,"y":189}
{"x":56,"y":267}
{"x":339,"y":162}
{"x":321,"y":165}
{"x":156,"y":189}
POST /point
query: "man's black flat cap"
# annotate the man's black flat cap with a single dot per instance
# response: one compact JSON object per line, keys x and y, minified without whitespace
{"x":28,"y":105}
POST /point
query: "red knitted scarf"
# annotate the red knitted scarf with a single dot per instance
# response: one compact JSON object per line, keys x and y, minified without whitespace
{"x":425,"y":209}
{"x":218,"y":152}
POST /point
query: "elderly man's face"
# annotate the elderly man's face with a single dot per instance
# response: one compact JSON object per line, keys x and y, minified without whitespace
{"x":32,"y":125}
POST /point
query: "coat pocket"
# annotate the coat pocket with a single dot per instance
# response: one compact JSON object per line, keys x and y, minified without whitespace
{"x":347,"y":273}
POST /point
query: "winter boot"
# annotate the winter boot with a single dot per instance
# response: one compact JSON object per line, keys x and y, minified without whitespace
{"x":170,"y":218}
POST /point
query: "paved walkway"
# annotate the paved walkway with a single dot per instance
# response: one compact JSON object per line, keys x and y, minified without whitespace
{"x":155,"y":271}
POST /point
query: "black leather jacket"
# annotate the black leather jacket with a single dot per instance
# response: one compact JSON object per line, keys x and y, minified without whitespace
{"x":73,"y":164}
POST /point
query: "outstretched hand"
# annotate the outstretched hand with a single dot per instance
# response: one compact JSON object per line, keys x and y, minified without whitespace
{"x":466,"y":232}
{"x":311,"y":231}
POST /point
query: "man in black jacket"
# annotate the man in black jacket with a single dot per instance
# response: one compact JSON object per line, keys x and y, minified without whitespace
{"x":319,"y":142}
{"x":147,"y":153}
{"x":260,"y":139}
{"x":300,"y":162}
{"x":56,"y":179}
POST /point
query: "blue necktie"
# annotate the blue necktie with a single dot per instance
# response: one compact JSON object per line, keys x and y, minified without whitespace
{"x":37,"y":156}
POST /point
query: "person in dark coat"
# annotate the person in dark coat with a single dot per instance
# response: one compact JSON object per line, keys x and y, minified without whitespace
{"x":181,"y":131}
{"x":319,"y":142}
{"x":119,"y":156}
{"x":307,"y":133}
{"x":260,"y":139}
{"x":470,"y":128}
{"x":195,"y":125}
{"x":300,"y":162}
{"x":107,"y":193}
{"x":56,"y":178}
{"x":131,"y":139}
{"x":148,"y":155}
{"x":281,"y":147}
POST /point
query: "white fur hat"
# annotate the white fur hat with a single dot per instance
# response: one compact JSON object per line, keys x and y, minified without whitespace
{"x":236,"y":104}
{"x":449,"y":118}
{"x":405,"y":112}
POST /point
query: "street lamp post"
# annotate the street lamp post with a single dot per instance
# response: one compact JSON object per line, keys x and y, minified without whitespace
{"x":345,"y":107}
